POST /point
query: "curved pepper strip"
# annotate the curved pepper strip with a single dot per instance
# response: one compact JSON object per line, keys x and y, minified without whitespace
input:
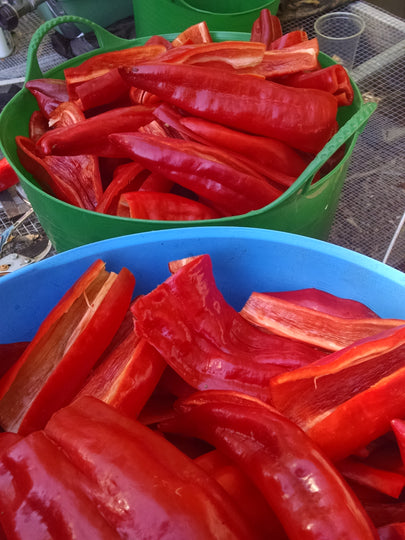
{"x":206,"y":341}
{"x":210,"y":173}
{"x":105,"y":89}
{"x":266,"y":28}
{"x":42,"y":495}
{"x":37,"y":126}
{"x":196,"y":33}
{"x":301,"y":485}
{"x":90,"y":136}
{"x":348,"y":398}
{"x":147,"y":488}
{"x":49,"y":93}
{"x":64,"y":349}
{"x":288,"y":39}
{"x":332,"y":333}
{"x":304,"y":118}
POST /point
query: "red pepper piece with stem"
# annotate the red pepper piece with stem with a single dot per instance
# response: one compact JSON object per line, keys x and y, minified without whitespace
{"x":347,"y":399}
{"x":42,"y":495}
{"x":330,"y":332}
{"x":266,"y":28}
{"x":206,"y":341}
{"x":163,"y":207}
{"x":212,"y":174}
{"x":333,"y":79}
{"x":65,"y":348}
{"x":49,"y":93}
{"x":304,"y":118}
{"x":147,"y":488}
{"x":90,"y":136}
{"x":8,"y":176}
{"x":301,"y":485}
{"x":73,"y":179}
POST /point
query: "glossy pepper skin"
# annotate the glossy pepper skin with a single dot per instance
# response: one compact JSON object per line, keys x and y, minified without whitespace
{"x":304,"y":118}
{"x":206,"y":341}
{"x":144,"y":486}
{"x":304,"y":489}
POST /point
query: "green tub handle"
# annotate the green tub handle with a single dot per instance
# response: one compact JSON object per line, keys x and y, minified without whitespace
{"x":355,"y":124}
{"x":105,"y":39}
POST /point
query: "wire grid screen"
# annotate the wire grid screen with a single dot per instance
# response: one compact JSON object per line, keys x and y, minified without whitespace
{"x":373,"y":197}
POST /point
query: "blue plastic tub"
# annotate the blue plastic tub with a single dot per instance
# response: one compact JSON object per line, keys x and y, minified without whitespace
{"x":244,"y":260}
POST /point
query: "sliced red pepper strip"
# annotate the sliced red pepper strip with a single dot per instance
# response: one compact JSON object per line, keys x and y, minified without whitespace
{"x":73,"y":179}
{"x":285,"y":318}
{"x":38,"y":125}
{"x":66,"y":114}
{"x":90,"y":136}
{"x":304,"y":118}
{"x":271,"y":153}
{"x":162,"y":489}
{"x":101,"y":63}
{"x":327,"y":303}
{"x":206,"y":341}
{"x":347,"y":399}
{"x":42,"y":495}
{"x":393,"y":531}
{"x":289,"y":467}
{"x":210,"y":173}
{"x":266,"y":28}
{"x":126,"y":177}
{"x":196,"y":33}
{"x":293,"y":59}
{"x":333,"y":79}
{"x":163,"y":207}
{"x":66,"y":346}
{"x":102,"y":90}
{"x":398,"y":427}
{"x":8,"y":176}
{"x":156,"y":182}
{"x":127,"y":377}
{"x":290,"y":38}
{"x":237,"y":54}
{"x":49,"y":93}
{"x":387,"y":482}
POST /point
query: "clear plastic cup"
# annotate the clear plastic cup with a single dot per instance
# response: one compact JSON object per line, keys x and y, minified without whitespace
{"x":338,"y":36}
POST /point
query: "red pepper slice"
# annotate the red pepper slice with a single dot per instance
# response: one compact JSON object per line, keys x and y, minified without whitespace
{"x":290,"y":38}
{"x":49,"y":93}
{"x":300,"y":484}
{"x":90,"y":136}
{"x":285,"y":318}
{"x":347,"y":399}
{"x":304,"y":118}
{"x":103,"y":90}
{"x":393,"y":531}
{"x":266,"y":28}
{"x":196,"y":33}
{"x":327,"y":303}
{"x":8,"y":176}
{"x":10,"y":353}
{"x":209,"y":172}
{"x":333,"y":79}
{"x":147,"y":487}
{"x":73,"y":179}
{"x":293,"y":59}
{"x":38,"y":125}
{"x":163,"y":207}
{"x":66,"y":346}
{"x":206,"y":341}
{"x":42,"y":495}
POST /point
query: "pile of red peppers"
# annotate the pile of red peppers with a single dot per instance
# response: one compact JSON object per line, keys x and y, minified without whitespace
{"x":188,"y":129}
{"x":173,"y":415}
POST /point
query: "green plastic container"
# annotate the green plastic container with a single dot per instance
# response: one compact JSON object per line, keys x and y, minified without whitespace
{"x":303,"y":209}
{"x":163,"y":16}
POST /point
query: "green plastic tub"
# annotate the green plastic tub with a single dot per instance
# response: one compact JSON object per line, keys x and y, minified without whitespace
{"x":163,"y":16}
{"x":303,"y":209}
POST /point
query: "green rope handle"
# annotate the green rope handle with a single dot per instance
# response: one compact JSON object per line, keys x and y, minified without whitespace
{"x":355,"y":124}
{"x":105,"y":39}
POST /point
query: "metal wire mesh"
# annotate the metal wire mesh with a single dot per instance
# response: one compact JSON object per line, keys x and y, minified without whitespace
{"x":373,"y":197}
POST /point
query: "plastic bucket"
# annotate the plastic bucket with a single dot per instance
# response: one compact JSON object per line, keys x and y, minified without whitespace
{"x":244,"y":260}
{"x":162,"y":16}
{"x":304,"y":208}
